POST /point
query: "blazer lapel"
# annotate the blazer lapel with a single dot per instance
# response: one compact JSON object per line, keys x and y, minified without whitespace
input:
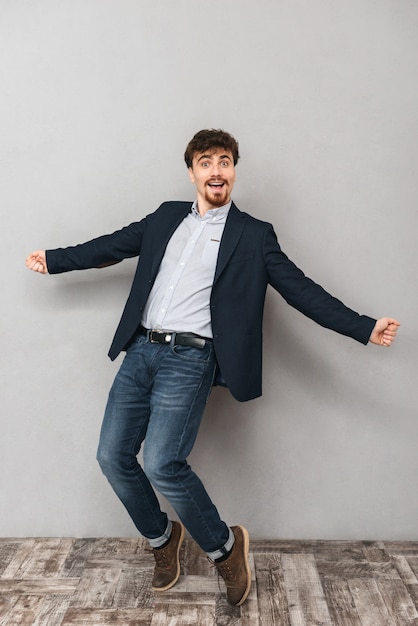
{"x":231,"y":235}
{"x":164,"y":232}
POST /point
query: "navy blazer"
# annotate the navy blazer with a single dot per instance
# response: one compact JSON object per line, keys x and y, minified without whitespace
{"x":249,"y":259}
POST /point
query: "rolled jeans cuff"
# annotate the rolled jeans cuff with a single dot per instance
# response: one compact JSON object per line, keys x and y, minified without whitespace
{"x":160,"y":541}
{"x":227,"y":547}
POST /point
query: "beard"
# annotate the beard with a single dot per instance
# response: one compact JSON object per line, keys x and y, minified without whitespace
{"x":217,"y":198}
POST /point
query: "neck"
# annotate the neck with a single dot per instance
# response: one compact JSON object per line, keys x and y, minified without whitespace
{"x":203,"y":206}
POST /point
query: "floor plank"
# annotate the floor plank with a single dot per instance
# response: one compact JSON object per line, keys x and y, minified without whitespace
{"x":96,"y":588}
{"x":52,"y":610}
{"x":113,"y":617}
{"x":271,"y":593}
{"x":304,"y":591}
{"x":369,"y":603}
{"x":341,"y":605}
{"x":398,"y":602}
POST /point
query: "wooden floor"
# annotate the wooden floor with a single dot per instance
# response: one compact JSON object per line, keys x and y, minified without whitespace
{"x":107,"y":581}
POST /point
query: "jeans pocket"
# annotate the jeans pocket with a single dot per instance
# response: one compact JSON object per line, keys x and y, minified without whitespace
{"x":190,"y":353}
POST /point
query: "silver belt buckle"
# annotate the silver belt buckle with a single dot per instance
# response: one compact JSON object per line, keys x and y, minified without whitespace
{"x":166,"y":338}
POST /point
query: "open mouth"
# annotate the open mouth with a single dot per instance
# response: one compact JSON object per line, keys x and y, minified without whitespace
{"x":216,"y":185}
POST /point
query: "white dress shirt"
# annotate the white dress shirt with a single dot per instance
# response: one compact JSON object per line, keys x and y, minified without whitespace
{"x":179,"y":299}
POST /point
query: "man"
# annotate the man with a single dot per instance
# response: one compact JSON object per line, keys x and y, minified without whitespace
{"x":193,"y":318}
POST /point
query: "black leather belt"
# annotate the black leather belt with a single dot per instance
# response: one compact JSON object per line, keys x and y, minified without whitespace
{"x":179,"y":339}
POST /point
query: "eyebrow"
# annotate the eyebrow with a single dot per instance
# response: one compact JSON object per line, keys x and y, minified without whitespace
{"x":210,"y":156}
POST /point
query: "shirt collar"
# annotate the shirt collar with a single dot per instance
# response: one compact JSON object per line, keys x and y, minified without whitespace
{"x":217,"y":215}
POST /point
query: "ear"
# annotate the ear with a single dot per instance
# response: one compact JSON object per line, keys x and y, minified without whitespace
{"x":191,"y":175}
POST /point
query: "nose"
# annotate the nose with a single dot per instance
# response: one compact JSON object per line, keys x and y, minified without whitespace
{"x":215,"y":170}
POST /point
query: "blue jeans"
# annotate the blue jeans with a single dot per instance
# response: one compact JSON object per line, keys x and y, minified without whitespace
{"x":157,"y":399}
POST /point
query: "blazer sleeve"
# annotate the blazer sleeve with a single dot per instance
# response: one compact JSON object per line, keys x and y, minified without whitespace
{"x":310,"y":298}
{"x":99,"y":252}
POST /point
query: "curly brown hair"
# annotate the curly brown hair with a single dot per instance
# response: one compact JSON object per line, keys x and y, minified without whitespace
{"x":209,"y":140}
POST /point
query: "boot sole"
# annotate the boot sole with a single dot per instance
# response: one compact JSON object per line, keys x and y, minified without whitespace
{"x":247,"y":565}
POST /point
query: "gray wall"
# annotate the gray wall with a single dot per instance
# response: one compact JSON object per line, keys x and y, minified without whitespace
{"x":98,"y":99}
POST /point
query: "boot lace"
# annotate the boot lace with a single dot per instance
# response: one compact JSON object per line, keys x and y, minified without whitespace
{"x":222,"y":570}
{"x":160,"y":559}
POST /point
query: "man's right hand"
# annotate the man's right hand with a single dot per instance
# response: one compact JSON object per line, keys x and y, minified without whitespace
{"x":37,"y":262}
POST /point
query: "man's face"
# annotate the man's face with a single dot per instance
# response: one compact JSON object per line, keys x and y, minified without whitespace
{"x":213,"y":174}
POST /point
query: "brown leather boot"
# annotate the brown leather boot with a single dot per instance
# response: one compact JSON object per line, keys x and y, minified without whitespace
{"x":167,"y":563}
{"x":235,"y":570}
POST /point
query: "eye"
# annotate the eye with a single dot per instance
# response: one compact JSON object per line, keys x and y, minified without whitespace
{"x":224,"y":163}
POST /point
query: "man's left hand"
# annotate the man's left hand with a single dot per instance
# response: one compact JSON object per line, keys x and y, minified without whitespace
{"x":384,"y":332}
